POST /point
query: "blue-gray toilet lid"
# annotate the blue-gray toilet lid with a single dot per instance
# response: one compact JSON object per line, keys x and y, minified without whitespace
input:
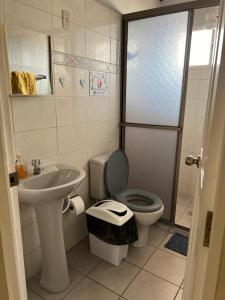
{"x":117,"y":172}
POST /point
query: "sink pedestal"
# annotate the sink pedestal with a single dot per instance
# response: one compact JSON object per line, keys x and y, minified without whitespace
{"x":54,"y":273}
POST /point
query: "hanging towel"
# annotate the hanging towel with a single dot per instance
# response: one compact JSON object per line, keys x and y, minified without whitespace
{"x":23,"y":83}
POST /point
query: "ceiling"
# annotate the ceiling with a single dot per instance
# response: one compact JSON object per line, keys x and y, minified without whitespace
{"x":127,"y":6}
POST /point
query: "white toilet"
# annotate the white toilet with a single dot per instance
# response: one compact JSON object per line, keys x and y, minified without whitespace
{"x":108,"y":178}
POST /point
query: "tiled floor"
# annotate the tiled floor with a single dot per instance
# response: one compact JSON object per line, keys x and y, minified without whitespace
{"x":184,"y":212}
{"x":152,"y":272}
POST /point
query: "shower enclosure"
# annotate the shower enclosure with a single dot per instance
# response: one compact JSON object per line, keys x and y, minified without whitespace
{"x":156,"y":58}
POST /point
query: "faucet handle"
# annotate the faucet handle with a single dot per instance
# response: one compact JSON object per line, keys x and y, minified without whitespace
{"x":36,"y":162}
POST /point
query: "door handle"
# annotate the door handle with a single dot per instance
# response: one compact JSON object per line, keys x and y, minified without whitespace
{"x":191,"y":160}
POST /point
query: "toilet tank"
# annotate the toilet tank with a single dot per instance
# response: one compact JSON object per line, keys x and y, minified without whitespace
{"x":97,"y":176}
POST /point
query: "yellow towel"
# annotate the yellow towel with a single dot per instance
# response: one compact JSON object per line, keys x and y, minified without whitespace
{"x":23,"y":83}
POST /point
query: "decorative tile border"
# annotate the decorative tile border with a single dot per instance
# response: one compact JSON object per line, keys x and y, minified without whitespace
{"x":82,"y":62}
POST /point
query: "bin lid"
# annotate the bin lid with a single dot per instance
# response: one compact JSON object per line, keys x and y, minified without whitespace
{"x":117,"y":172}
{"x":110,"y":211}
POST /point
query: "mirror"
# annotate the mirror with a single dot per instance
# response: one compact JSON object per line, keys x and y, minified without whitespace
{"x":30,"y":67}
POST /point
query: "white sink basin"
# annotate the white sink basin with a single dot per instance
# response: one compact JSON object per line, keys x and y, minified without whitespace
{"x":54,"y":184}
{"x":46,"y":192}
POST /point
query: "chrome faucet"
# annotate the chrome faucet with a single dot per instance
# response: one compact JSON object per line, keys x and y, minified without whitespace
{"x":36,"y":163}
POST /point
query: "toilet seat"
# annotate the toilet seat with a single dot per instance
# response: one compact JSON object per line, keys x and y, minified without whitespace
{"x":117,"y":172}
{"x":140,"y":200}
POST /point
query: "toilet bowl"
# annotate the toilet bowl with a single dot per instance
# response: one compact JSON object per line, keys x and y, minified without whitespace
{"x":112,"y":171}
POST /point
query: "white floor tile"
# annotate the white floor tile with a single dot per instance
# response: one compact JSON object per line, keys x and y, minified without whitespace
{"x":147,"y":286}
{"x":167,"y":266}
{"x":139,"y":256}
{"x":116,"y":278}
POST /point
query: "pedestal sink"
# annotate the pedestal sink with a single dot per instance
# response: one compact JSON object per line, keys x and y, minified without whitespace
{"x":46,"y":192}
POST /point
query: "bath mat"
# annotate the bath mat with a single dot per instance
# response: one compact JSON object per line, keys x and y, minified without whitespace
{"x":178,"y":243}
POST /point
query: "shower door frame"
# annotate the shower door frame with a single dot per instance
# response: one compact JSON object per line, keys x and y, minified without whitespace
{"x":190,"y":8}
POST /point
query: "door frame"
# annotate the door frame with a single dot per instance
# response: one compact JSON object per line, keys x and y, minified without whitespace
{"x":189,"y":7}
{"x":10,"y":227}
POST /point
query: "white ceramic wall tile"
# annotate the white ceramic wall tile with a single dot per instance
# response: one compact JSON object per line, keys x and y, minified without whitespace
{"x":72,"y":138}
{"x":191,"y":107}
{"x":76,"y":9}
{"x":204,"y":89}
{"x":115,"y":52}
{"x":76,"y":159}
{"x":98,"y":46}
{"x":97,"y":17}
{"x":37,"y":144}
{"x":33,"y":113}
{"x":68,"y":81}
{"x":194,"y":73}
{"x":193,"y":88}
{"x":39,"y":4}
{"x":31,"y":238}
{"x":70,"y":111}
{"x":99,"y":133}
{"x":95,"y":150}
{"x":72,"y":41}
{"x":33,"y":263}
{"x":114,"y":108}
{"x":27,"y":17}
{"x":97,"y":109}
{"x":75,"y":229}
{"x":114,"y":86}
{"x":115,"y":25}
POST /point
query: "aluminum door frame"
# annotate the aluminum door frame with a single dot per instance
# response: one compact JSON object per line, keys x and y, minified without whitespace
{"x":189,"y":7}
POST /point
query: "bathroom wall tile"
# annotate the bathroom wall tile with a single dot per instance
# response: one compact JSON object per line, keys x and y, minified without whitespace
{"x":115,"y":52}
{"x":97,"y":109}
{"x":115,"y":19}
{"x":31,"y":238}
{"x":114,"y":108}
{"x":68,"y":81}
{"x":191,"y":107}
{"x":27,"y":17}
{"x":70,"y":111}
{"x":72,"y":138}
{"x":206,"y":72}
{"x":33,"y":113}
{"x":76,"y":159}
{"x":37,"y":144}
{"x":193,"y":88}
{"x":75,"y":7}
{"x":98,"y":46}
{"x":114,"y":86}
{"x":33,"y":263}
{"x":194,"y":73}
{"x":27,"y":214}
{"x":97,"y":17}
{"x":99,"y":133}
{"x":95,"y":150}
{"x":39,"y":4}
{"x":204,"y":89}
{"x":72,"y":41}
{"x":74,"y":228}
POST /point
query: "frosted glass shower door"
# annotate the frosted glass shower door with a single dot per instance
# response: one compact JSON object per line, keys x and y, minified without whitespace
{"x":156,"y":50}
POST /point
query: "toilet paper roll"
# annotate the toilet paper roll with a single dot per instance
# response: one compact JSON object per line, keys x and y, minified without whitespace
{"x":76,"y":205}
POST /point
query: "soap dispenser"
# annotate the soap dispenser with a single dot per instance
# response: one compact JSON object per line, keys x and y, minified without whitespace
{"x":20,"y":167}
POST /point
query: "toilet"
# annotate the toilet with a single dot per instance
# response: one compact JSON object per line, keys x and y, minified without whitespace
{"x":108,"y":178}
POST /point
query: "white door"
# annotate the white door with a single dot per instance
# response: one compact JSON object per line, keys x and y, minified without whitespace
{"x":203,"y":262}
{"x":10,"y":229}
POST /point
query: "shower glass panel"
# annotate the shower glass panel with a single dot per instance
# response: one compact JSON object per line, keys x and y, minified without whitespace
{"x":156,"y":50}
{"x":152,"y":161}
{"x":155,"y":63}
